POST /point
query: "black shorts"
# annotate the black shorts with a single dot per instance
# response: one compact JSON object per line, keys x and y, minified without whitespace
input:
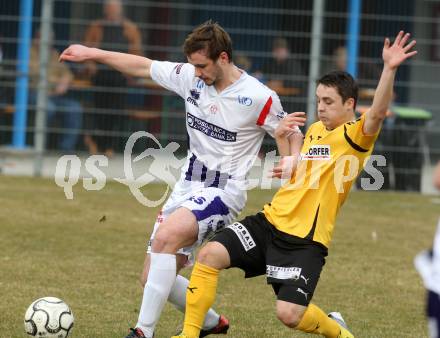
{"x":292,"y":264}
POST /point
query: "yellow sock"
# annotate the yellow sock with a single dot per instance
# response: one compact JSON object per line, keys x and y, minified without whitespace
{"x":199,"y":298}
{"x":317,"y":322}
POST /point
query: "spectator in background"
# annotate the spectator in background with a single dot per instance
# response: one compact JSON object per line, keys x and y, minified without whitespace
{"x":59,"y":102}
{"x":284,"y":75}
{"x":367,"y":72}
{"x":118,"y":33}
{"x":428,"y":265}
{"x":244,"y":62}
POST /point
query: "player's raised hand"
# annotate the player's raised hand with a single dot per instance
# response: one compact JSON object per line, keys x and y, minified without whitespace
{"x":77,"y":53}
{"x":289,"y":123}
{"x":394,"y":54}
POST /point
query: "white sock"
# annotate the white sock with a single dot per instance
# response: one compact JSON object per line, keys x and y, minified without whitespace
{"x":177,"y":297}
{"x":161,"y":278}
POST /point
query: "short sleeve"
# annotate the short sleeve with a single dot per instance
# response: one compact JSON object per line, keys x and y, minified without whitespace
{"x":177,"y":77}
{"x":355,"y":136}
{"x":271,"y":112}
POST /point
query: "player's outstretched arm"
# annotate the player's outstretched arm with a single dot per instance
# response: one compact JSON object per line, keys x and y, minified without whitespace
{"x":393,"y":56}
{"x":132,"y":65}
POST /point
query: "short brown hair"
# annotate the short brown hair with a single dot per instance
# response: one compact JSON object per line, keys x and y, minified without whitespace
{"x":209,"y":37}
{"x":343,"y":82}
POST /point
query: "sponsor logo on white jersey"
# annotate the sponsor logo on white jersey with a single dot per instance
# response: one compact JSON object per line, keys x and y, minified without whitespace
{"x":192,"y":101}
{"x":178,"y":67}
{"x":281,"y":114}
{"x":213,"y":109}
{"x":246,"y":101}
{"x":211,"y":129}
{"x":195,"y":94}
{"x":200,"y":84}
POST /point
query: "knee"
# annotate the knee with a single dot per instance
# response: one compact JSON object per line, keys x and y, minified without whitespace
{"x":169,"y":239}
{"x":290,"y":314}
{"x":163,"y":239}
{"x":205,"y":255}
{"x":214,"y":255}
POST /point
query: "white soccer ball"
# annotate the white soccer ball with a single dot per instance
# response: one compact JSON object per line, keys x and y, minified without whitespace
{"x":48,"y":317}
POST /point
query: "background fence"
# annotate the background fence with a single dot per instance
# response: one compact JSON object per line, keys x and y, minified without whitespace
{"x":96,"y":110}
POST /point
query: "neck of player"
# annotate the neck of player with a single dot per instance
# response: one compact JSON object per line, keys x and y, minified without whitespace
{"x":231,"y":73}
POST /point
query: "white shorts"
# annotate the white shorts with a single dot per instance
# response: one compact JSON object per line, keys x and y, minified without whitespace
{"x":214,"y":208}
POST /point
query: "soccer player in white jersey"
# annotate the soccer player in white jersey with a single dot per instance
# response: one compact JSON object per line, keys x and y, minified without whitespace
{"x":228,"y":113}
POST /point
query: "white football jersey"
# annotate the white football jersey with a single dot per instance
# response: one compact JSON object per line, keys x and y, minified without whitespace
{"x":225,"y":129}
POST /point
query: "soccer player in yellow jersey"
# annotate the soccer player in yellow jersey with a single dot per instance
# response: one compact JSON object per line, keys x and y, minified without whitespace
{"x":288,"y":240}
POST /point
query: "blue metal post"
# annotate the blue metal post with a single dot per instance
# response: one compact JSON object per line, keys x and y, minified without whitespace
{"x":21,"y":84}
{"x":354,"y":19}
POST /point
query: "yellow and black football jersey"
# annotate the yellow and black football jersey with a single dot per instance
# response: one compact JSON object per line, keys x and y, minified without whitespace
{"x":307,"y":205}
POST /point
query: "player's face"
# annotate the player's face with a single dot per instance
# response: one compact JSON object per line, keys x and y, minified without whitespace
{"x":331,"y":110}
{"x":437,"y":176}
{"x":205,"y":68}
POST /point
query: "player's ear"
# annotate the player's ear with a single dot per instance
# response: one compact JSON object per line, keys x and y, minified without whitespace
{"x":349,"y":103}
{"x":223,"y":58}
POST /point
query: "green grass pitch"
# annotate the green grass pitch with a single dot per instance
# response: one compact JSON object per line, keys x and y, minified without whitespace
{"x":51,"y":246}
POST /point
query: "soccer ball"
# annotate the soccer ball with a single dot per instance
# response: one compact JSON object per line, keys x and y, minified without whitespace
{"x":48,"y":317}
